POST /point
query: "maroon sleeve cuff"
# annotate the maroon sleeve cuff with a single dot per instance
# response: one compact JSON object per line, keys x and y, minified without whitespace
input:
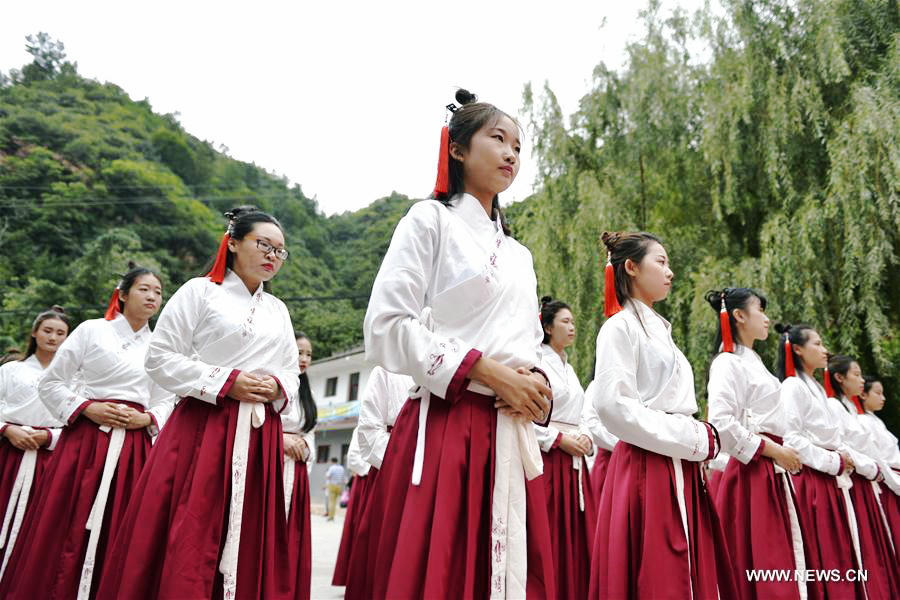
{"x":3,"y":428}
{"x":153,"y":422}
{"x":229,"y":383}
{"x":759,"y":451}
{"x":840,"y":464}
{"x":557,"y":441}
{"x":461,"y":377}
{"x":42,"y":428}
{"x":78,"y":411}
{"x":283,"y":395}
{"x":713,"y":436}
{"x":549,"y":412}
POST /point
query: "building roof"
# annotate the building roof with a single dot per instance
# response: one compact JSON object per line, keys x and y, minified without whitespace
{"x":361,"y":349}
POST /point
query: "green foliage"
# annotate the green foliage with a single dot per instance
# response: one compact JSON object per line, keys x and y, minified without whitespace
{"x":774,"y":164}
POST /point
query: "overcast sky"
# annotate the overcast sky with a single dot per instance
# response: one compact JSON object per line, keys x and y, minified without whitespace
{"x":344,"y":98}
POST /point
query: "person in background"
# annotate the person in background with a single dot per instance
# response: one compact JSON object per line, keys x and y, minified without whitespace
{"x":335,"y":480}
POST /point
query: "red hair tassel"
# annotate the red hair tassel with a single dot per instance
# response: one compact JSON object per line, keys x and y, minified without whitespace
{"x":856,"y":403}
{"x":217,"y":273}
{"x":610,"y":301}
{"x":725,"y":322}
{"x":113,"y":309}
{"x":442,"y":184}
{"x":829,"y":389}
{"x":789,"y":370}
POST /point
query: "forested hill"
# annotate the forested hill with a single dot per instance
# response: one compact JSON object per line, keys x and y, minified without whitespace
{"x":90,"y":179}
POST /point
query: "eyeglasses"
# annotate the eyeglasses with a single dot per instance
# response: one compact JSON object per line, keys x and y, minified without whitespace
{"x":266,"y":248}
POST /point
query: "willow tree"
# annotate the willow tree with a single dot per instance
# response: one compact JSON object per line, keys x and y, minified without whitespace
{"x":773,"y":162}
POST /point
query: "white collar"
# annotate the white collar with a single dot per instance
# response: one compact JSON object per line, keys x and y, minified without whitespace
{"x":231,"y":280}
{"x":122,"y":327}
{"x":472,"y":212}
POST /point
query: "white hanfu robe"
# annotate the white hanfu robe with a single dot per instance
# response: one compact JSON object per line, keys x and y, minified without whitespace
{"x":380,"y":403}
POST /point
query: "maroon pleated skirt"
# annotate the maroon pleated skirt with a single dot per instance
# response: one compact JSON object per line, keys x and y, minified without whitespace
{"x":359,"y":492}
{"x":171,"y":538}
{"x":878,"y":557}
{"x":755,"y":518}
{"x":891,"y":503}
{"x":10,"y":458}
{"x":640,"y":549}
{"x":826,"y":533}
{"x":713,"y":481}
{"x":598,"y":476}
{"x":433,"y":540}
{"x":52,"y":543}
{"x":571,"y":529}
{"x":299,"y":546}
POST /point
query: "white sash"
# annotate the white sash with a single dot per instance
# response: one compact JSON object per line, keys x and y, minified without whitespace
{"x":577,"y":461}
{"x":18,"y":502}
{"x":289,"y":465}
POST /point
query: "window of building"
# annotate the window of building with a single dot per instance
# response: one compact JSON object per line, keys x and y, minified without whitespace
{"x":331,"y":386}
{"x":322,"y":454}
{"x":353,"y":393}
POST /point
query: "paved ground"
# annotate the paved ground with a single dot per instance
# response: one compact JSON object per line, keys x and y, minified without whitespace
{"x":326,"y":537}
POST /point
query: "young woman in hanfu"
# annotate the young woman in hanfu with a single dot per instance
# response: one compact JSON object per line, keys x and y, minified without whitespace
{"x":383,"y":397}
{"x":461,"y":475}
{"x":208,"y":517}
{"x":845,"y":383}
{"x":571,"y":506}
{"x":98,"y":387}
{"x":657,"y":531}
{"x":299,"y":424}
{"x":755,"y":499}
{"x":814,"y":428}
{"x":28,"y":431}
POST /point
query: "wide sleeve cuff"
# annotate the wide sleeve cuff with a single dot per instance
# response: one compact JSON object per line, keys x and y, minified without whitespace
{"x":3,"y":427}
{"x":226,"y":387}
{"x":713,"y":440}
{"x":759,"y":450}
{"x":557,"y":441}
{"x":840,"y":464}
{"x":284,"y":397}
{"x":153,"y":427}
{"x":77,"y":412}
{"x":460,"y":378}
{"x":546,"y":421}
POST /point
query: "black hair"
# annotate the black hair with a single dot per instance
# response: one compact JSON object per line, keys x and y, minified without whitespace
{"x":869,"y":381}
{"x":130,"y":277}
{"x":241,"y":221}
{"x":549,"y":308}
{"x":54,"y":312}
{"x":735,"y":298}
{"x":797,"y":335}
{"x":623,"y":246}
{"x":334,"y":459}
{"x":466,"y":121}
{"x":310,"y":411}
{"x":839,"y":364}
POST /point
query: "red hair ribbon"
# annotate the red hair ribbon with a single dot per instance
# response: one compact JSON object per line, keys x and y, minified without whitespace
{"x":442,"y":184}
{"x":829,"y":389}
{"x":610,"y":301}
{"x":217,"y":273}
{"x":789,"y":370}
{"x":725,"y":322}
{"x":113,"y":309}
{"x":857,"y":404}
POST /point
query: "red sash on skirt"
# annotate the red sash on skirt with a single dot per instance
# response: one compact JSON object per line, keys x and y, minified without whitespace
{"x":571,"y":529}
{"x":598,"y":476}
{"x":50,"y":551}
{"x":173,"y":532}
{"x":299,"y":546}
{"x":755,"y":518}
{"x":434,"y":540}
{"x":826,"y":533}
{"x":878,"y":557}
{"x":640,"y":550}
{"x":10,"y":458}
{"x":359,"y":491}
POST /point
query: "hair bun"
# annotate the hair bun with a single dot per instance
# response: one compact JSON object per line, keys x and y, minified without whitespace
{"x":239,"y":211}
{"x":610,"y":239}
{"x":714,"y":298}
{"x":58,"y":308}
{"x":546,"y":300}
{"x":131,"y":265}
{"x":464,"y":96}
{"x":783,"y":328}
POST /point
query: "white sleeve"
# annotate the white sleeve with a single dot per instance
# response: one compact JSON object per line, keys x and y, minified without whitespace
{"x":4,"y":391}
{"x":726,"y":386}
{"x":170,"y":361}
{"x":794,"y":401}
{"x":546,"y":436}
{"x":310,"y":438}
{"x":161,"y":405}
{"x":601,"y":437}
{"x":373,"y":417}
{"x":395,"y":336}
{"x":619,"y":405}
{"x":54,"y":388}
{"x":288,"y":372}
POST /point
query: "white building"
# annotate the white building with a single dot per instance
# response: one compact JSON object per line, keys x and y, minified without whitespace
{"x":336,"y":383}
